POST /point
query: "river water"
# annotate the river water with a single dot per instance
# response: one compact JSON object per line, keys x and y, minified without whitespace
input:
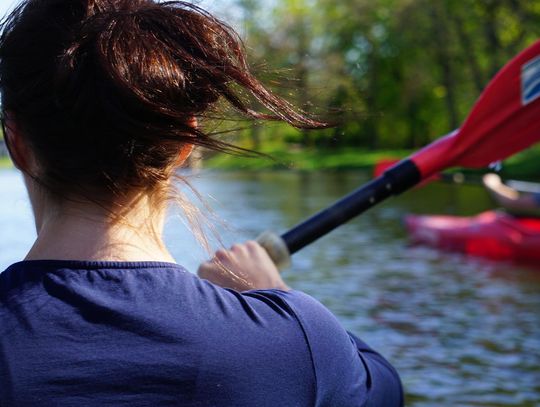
{"x":461,"y":331}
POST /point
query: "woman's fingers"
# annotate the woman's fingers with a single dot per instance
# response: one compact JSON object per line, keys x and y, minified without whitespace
{"x":245,"y":266}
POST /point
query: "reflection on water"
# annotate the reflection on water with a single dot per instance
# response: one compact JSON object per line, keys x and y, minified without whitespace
{"x":461,"y":331}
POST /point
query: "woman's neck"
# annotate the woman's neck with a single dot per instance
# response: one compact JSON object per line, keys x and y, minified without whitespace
{"x":85,"y":231}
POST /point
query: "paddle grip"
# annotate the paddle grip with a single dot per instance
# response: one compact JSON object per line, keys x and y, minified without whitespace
{"x":276,"y":249}
{"x":396,"y":180}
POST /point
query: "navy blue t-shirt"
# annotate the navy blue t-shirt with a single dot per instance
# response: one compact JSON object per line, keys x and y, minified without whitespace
{"x":152,"y":334}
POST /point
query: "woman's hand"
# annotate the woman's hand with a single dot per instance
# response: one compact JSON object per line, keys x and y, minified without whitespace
{"x":246,"y":266}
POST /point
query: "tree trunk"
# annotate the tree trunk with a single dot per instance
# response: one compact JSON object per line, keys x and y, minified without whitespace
{"x":444,"y":60}
{"x":371,"y":100}
{"x":470,"y":54}
{"x":492,"y":38}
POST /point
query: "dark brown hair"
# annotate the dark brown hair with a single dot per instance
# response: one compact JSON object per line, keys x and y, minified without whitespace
{"x":104,"y":90}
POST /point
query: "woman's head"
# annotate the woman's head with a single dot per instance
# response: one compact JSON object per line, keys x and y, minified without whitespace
{"x":106,"y":93}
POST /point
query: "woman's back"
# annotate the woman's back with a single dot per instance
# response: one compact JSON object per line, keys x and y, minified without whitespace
{"x":149,"y":333}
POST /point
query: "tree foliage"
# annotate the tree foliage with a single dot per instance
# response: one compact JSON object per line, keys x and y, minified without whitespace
{"x":393,"y":73}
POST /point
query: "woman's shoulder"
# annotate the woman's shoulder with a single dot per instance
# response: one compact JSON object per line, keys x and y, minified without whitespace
{"x":347,"y":371}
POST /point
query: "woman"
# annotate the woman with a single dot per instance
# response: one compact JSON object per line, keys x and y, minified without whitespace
{"x":102,"y":100}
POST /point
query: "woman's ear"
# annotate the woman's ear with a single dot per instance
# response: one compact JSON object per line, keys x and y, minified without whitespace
{"x":187,"y":148}
{"x":185,"y":152}
{"x":20,"y":153}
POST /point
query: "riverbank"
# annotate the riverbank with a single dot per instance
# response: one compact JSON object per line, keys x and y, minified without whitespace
{"x":5,"y":162}
{"x":525,"y":165}
{"x":304,"y":159}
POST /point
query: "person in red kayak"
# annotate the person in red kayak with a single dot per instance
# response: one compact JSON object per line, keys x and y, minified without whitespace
{"x":517,"y":198}
{"x":103,"y":101}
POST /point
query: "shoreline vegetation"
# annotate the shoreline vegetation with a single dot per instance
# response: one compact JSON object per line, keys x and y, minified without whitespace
{"x":525,"y":165}
{"x":5,"y":162}
{"x":304,"y":159}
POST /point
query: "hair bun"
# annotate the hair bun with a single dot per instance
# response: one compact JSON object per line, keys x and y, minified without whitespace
{"x":106,"y":90}
{"x":149,"y":56}
{"x":94,"y":7}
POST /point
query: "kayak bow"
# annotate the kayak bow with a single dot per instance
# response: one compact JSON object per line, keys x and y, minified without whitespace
{"x":492,"y":234}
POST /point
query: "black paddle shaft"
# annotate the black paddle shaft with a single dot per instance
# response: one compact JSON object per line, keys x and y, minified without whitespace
{"x":396,"y":180}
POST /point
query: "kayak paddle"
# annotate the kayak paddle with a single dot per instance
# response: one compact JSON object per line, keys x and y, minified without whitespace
{"x":449,"y":177}
{"x":504,"y":120}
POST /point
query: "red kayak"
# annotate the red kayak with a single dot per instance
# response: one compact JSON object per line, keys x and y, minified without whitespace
{"x":491,"y":234}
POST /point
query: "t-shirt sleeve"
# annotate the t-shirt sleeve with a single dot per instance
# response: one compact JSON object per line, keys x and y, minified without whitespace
{"x":348,"y":372}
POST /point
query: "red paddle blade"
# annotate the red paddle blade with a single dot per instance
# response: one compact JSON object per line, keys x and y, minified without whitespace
{"x":504,"y":120}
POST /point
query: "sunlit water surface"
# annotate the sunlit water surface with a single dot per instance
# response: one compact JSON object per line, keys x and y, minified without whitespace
{"x":461,"y":331}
